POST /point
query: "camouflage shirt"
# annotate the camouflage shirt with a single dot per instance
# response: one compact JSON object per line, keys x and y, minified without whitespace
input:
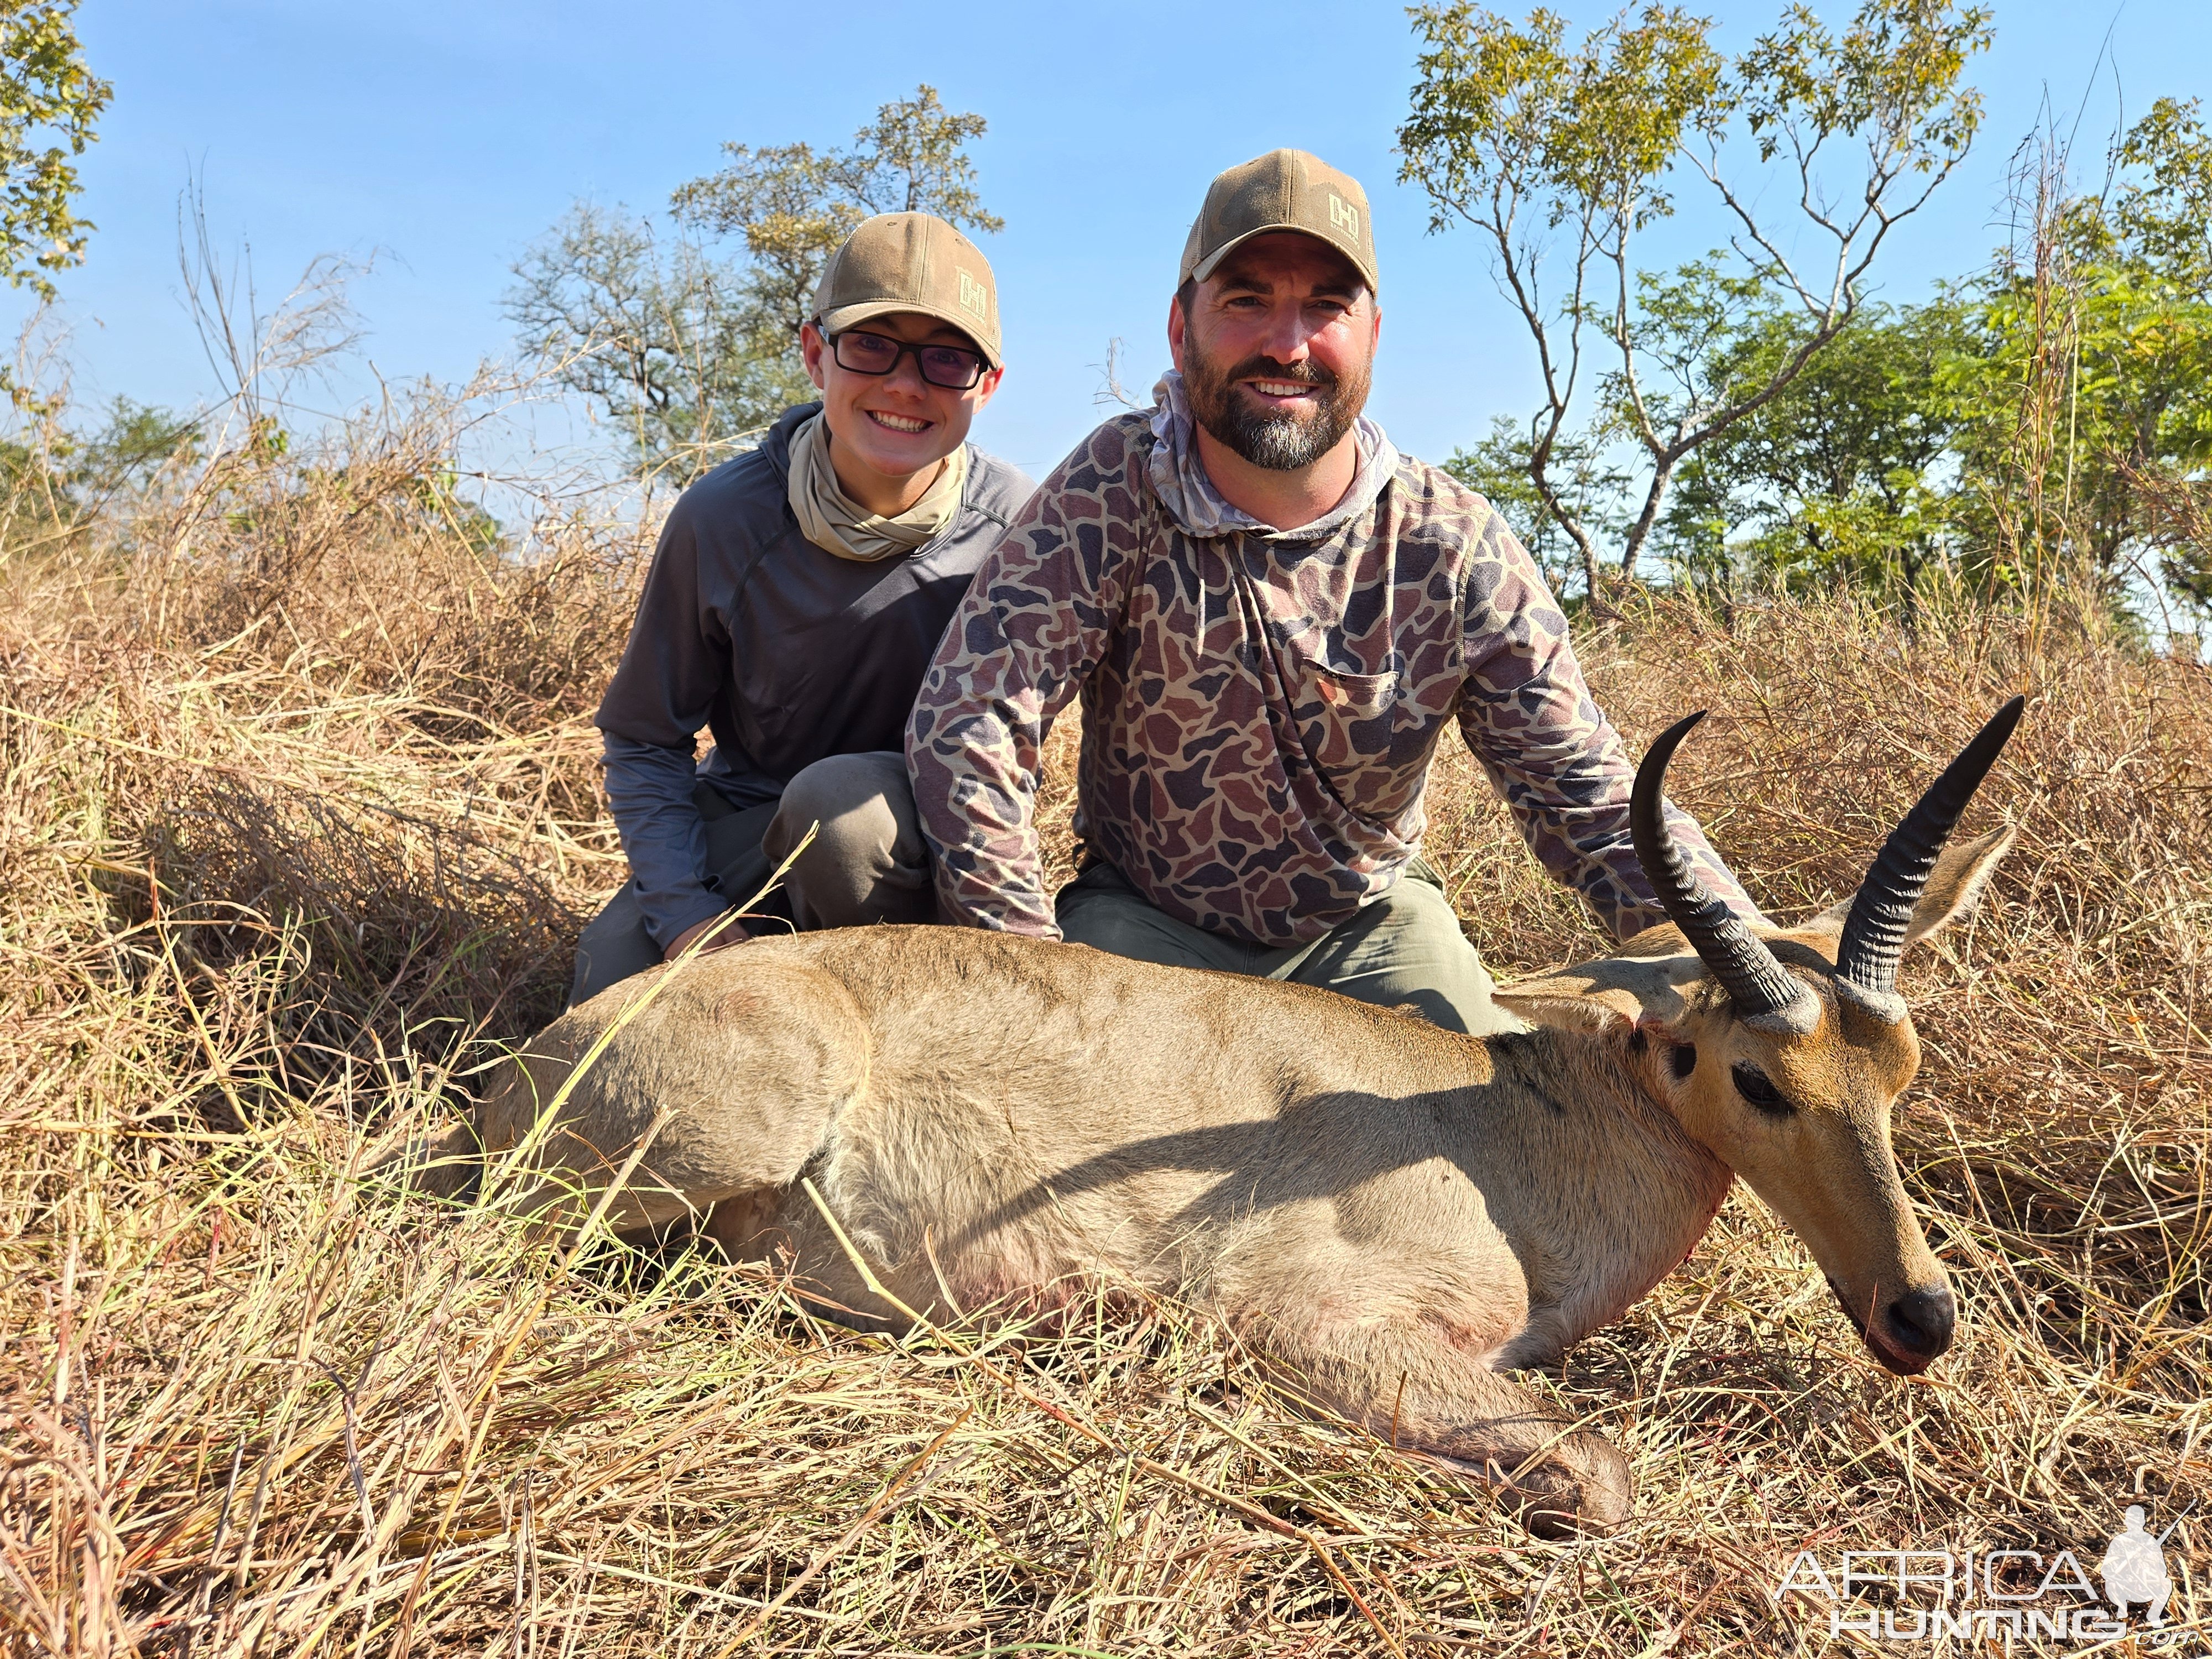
{"x":1259,"y":707}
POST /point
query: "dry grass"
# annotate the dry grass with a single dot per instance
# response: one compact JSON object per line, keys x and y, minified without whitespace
{"x":300,"y":821}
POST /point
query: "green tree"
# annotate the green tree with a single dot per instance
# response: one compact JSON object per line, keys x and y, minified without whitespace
{"x":2048,"y":422}
{"x":1846,"y":474}
{"x":791,"y":205}
{"x":1580,"y":471}
{"x":55,"y":482}
{"x":50,"y":104}
{"x":2079,"y":404}
{"x":689,"y":350}
{"x":2088,"y":410}
{"x":665,"y":340}
{"x":1565,"y":155}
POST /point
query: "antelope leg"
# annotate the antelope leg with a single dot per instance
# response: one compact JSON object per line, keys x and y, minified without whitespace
{"x":1408,"y":1381}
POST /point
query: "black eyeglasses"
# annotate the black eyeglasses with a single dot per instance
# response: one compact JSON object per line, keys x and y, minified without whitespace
{"x":954,"y":367}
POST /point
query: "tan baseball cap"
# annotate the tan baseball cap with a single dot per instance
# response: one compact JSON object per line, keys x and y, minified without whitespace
{"x":1284,"y":190}
{"x":911,"y":261}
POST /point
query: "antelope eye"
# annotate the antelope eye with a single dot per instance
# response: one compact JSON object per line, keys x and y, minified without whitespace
{"x":1683,"y":1059}
{"x":1754,"y":1087}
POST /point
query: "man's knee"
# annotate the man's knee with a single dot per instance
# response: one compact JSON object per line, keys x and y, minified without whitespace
{"x":1407,"y":950}
{"x":1125,"y":926}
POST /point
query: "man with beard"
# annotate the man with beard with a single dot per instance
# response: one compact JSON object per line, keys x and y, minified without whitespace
{"x":1270,"y":614}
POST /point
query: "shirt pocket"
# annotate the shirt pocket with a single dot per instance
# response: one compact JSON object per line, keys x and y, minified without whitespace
{"x":1363,"y":735}
{"x":1355,"y":699}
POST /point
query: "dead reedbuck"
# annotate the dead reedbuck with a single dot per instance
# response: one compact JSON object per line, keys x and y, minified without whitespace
{"x":1395,"y":1216}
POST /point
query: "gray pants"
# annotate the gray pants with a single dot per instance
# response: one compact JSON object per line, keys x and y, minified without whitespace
{"x":1404,"y":950}
{"x":866,"y":863}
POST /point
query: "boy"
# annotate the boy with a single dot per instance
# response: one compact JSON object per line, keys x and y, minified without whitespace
{"x":794,"y":602}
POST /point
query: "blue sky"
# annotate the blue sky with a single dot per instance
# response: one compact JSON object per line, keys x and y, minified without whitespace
{"x":444,"y":139}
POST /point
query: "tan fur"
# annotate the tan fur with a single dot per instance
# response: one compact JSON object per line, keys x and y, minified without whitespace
{"x":1392,"y":1214}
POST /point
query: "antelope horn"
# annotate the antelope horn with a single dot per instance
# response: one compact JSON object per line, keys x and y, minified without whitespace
{"x":1737,"y":957}
{"x":1874,"y":932}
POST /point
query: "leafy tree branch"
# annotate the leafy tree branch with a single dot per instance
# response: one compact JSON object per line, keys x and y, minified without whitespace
{"x":689,"y":348}
{"x":1564,"y":154}
{"x":50,"y":107}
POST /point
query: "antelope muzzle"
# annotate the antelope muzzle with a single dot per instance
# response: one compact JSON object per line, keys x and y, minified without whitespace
{"x":1908,"y":1333}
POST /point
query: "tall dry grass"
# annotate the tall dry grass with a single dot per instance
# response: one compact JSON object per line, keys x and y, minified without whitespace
{"x":299,"y":823}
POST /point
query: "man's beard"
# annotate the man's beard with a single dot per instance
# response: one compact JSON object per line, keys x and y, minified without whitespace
{"x":1279,"y":439}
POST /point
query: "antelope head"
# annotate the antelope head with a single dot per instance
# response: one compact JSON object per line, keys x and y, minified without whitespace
{"x":1782,"y":1051}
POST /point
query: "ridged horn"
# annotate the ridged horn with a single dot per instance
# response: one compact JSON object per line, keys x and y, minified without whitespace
{"x":1874,"y":932}
{"x":1737,"y":957}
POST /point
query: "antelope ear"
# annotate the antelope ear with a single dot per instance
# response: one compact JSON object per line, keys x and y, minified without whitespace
{"x":1609,"y":998}
{"x":1962,"y":870}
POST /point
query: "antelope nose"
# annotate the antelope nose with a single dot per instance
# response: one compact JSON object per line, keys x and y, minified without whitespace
{"x":1921,"y":1321}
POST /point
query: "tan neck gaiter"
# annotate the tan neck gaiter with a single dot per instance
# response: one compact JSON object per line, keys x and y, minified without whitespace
{"x":837,"y":524}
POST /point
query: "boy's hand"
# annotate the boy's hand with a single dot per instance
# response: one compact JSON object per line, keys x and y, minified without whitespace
{"x":733,"y":933}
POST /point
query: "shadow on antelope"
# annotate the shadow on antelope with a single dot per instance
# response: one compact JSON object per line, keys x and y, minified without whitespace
{"x":1393,"y":1216}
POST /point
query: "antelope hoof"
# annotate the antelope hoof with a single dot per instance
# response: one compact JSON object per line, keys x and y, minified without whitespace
{"x":1586,"y":1493}
{"x":1581,"y":1489}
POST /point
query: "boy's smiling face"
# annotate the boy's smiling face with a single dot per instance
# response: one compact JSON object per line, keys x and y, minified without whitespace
{"x":890,"y":428}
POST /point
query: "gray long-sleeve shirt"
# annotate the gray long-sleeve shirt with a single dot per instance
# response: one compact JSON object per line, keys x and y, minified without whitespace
{"x":787,"y":654}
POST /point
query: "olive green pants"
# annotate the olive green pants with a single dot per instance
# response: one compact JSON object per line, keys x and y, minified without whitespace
{"x":1405,"y":950}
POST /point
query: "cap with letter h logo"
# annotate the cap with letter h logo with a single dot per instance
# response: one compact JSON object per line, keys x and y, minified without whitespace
{"x":910,"y":262}
{"x":1283,"y":189}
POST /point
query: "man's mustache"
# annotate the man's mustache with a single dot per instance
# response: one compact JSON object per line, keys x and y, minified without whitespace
{"x":1267,"y":368}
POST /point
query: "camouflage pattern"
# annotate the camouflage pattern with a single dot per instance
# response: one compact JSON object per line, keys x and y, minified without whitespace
{"x":1260,"y":709}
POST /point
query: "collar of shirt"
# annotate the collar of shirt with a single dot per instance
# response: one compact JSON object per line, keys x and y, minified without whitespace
{"x":1179,"y":480}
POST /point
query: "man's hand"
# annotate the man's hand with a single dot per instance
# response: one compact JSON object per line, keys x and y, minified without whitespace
{"x":733,"y":933}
